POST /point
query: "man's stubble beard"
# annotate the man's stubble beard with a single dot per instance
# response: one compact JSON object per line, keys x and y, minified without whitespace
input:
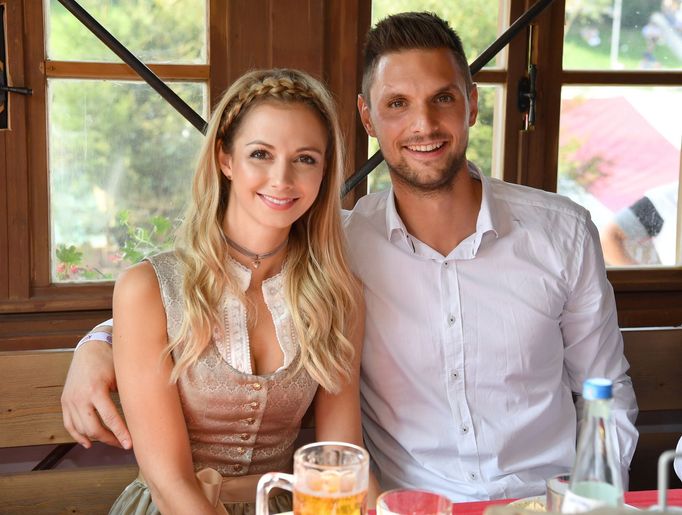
{"x":404,"y":175}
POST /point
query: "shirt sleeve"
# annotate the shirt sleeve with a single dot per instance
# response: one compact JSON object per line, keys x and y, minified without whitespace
{"x":102,"y":332}
{"x":593,"y":345}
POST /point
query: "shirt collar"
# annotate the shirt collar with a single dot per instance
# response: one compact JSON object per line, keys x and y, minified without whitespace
{"x":487,"y":221}
{"x":488,"y":217}
{"x":395,"y":228}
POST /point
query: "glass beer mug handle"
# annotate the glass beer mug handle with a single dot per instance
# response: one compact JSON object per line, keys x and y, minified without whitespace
{"x":266,"y":483}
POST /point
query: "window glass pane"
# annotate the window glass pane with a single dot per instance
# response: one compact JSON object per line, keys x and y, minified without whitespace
{"x":480,"y":149}
{"x":156,"y":31}
{"x":619,"y":156}
{"x":121,"y":162}
{"x":623,"y":34}
{"x":478,"y":22}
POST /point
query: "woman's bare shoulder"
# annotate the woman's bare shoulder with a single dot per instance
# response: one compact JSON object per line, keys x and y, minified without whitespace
{"x":138,"y":283}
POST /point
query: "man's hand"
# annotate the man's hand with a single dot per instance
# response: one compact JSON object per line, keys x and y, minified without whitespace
{"x":88,"y":410}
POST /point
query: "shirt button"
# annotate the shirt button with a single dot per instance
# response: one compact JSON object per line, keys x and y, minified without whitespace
{"x":465,"y":429}
{"x":472,"y":475}
{"x":257,"y":386}
{"x":445,"y":263}
{"x":244,"y":436}
{"x":250,"y":421}
{"x":455,"y":375}
{"x":254,"y":404}
{"x":238,"y":467}
{"x":240,"y":450}
{"x":451,"y":320}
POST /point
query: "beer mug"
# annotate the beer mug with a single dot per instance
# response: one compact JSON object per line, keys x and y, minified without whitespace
{"x":329,"y":478}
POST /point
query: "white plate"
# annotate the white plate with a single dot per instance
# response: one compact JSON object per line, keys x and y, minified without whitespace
{"x":541,"y":499}
{"x":535,"y":503}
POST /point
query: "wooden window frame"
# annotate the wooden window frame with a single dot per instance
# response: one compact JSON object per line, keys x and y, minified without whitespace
{"x":644,"y":296}
{"x":29,"y":288}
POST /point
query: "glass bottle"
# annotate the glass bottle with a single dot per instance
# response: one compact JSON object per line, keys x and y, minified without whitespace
{"x":595,"y":479}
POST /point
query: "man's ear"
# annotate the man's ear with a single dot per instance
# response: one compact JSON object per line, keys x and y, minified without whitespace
{"x":225,"y":162}
{"x":363,"y":109}
{"x":473,"y":104}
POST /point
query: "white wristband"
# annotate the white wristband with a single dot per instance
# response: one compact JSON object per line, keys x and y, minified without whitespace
{"x":99,"y":335}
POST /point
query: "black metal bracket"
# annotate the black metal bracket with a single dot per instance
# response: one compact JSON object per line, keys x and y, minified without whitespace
{"x":54,"y":457}
{"x":527,"y":95}
{"x":14,"y":89}
{"x":138,"y":66}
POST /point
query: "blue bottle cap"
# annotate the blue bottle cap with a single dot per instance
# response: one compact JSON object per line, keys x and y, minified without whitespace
{"x":597,"y":388}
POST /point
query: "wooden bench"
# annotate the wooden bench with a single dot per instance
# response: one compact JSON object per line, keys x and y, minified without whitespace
{"x":31,"y":385}
{"x":655,"y":356}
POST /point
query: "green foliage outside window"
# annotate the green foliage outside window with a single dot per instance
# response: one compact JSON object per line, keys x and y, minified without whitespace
{"x":120,"y":158}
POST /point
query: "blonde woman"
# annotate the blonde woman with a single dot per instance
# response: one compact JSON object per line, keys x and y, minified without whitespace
{"x":221,"y":345}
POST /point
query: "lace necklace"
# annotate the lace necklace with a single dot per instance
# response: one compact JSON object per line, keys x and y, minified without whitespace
{"x":255,"y":258}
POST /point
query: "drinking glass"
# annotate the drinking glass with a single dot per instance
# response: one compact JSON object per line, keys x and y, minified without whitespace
{"x":413,"y":502}
{"x":329,"y":478}
{"x":556,"y":488}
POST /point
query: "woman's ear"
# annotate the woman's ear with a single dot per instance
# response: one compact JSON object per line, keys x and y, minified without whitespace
{"x":225,"y":161}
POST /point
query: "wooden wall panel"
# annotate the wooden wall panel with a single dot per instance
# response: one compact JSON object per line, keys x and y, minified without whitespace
{"x":37,"y":146}
{"x":47,"y":330}
{"x":346,"y":24}
{"x":4,"y":250}
{"x":297,"y":34}
{"x":15,"y":164}
{"x":248,"y":36}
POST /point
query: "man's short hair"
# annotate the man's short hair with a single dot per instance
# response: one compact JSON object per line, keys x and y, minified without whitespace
{"x":409,"y":31}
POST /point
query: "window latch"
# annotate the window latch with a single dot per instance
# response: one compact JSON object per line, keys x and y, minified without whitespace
{"x":13,"y":89}
{"x":526,"y":96}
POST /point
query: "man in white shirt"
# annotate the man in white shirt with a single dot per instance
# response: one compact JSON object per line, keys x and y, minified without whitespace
{"x":487,"y":303}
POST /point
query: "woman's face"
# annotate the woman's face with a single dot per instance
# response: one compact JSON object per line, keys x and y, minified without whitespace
{"x":276,"y":165}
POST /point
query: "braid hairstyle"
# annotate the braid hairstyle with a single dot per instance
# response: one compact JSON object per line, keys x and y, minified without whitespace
{"x":319,"y":286}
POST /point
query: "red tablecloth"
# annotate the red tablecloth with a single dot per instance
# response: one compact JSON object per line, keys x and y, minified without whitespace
{"x":642,"y":499}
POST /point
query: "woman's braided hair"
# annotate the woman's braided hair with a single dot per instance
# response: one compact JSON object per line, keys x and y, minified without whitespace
{"x":319,"y":287}
{"x":281,"y":85}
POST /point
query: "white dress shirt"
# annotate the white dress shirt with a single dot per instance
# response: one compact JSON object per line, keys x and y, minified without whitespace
{"x":470,"y":360}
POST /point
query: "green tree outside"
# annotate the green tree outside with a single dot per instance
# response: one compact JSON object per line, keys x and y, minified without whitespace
{"x":120,"y":157}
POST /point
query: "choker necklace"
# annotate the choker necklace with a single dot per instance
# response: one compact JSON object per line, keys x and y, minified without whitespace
{"x":256,"y":258}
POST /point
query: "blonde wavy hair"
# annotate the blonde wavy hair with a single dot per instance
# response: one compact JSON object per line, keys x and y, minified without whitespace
{"x":320,"y":289}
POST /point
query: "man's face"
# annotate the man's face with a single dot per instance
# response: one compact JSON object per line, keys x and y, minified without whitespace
{"x":420,"y":112}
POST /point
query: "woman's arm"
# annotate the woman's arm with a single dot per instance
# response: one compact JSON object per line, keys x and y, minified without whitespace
{"x":151,"y":403}
{"x":337,"y":416}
